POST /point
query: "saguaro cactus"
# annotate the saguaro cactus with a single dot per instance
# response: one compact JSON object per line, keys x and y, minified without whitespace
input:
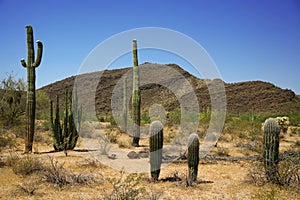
{"x":193,"y":157}
{"x":65,"y":135}
{"x":136,"y":97}
{"x":271,"y":149}
{"x":125,"y":105}
{"x":31,"y":64}
{"x":156,"y":145}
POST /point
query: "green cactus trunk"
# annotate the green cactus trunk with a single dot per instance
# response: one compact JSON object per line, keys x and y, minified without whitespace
{"x":31,"y":64}
{"x":136,"y":97}
{"x":55,"y":125}
{"x":271,"y":149}
{"x":65,"y":136}
{"x":193,"y":157}
{"x":156,"y":146}
{"x":125,"y":105}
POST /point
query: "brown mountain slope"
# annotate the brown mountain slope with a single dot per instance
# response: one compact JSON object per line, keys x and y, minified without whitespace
{"x":243,"y":97}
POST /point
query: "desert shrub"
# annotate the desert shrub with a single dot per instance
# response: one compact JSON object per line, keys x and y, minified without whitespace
{"x":28,"y":187}
{"x":12,"y":100}
{"x":112,"y":133}
{"x":111,"y":120}
{"x":42,"y":105}
{"x":245,"y":127}
{"x":294,"y":119}
{"x":43,"y":137}
{"x":145,"y":119}
{"x":43,"y":125}
{"x":6,"y":140}
{"x":289,"y":170}
{"x":174,"y":117}
{"x":124,"y":143}
{"x":104,"y":144}
{"x":221,"y":151}
{"x":101,"y":118}
{"x":288,"y":174}
{"x":55,"y":173}
{"x":24,"y":165}
{"x":126,"y":187}
{"x":295,"y":130}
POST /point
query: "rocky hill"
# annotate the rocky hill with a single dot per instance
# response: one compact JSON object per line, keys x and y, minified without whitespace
{"x":243,"y":97}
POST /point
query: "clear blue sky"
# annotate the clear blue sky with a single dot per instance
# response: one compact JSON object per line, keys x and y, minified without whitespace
{"x":247,"y":39}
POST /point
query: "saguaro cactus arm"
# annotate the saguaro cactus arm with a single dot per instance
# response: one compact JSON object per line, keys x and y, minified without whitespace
{"x":31,"y":62}
{"x":39,"y":54}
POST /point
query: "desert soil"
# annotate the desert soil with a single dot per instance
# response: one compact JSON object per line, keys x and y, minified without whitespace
{"x":218,"y":179}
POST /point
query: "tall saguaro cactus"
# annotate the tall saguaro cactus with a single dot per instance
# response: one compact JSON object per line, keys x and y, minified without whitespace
{"x":271,"y":149}
{"x":136,"y":97}
{"x":30,"y":65}
{"x":193,"y":157}
{"x":156,"y":145}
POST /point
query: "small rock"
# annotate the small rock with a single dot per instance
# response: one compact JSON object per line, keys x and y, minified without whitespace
{"x":112,"y":156}
{"x":133,"y":155}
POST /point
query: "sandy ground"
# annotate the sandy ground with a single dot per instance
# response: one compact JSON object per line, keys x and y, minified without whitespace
{"x":219,"y":179}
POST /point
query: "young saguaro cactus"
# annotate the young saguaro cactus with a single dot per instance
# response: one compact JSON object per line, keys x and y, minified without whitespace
{"x":136,"y":97}
{"x":30,"y":65}
{"x":193,"y":157}
{"x":271,"y":149}
{"x":156,"y":145}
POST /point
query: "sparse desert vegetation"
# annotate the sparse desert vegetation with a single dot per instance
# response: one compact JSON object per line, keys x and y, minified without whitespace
{"x":233,"y":170}
{"x":72,"y":155}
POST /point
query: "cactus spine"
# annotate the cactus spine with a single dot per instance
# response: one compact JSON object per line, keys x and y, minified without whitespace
{"x":193,"y":157}
{"x":156,"y":145}
{"x":136,"y":97}
{"x":65,"y":135}
{"x":271,"y":149}
{"x":30,"y":65}
{"x":125,"y":105}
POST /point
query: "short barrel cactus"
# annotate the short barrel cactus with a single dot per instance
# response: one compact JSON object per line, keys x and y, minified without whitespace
{"x":193,"y":156}
{"x":156,"y":145}
{"x":271,"y":148}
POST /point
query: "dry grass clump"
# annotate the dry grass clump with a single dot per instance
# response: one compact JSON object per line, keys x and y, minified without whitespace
{"x":57,"y":174}
{"x":25,"y":165}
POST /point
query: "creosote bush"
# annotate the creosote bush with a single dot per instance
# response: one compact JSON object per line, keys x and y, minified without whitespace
{"x":126,"y":187}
